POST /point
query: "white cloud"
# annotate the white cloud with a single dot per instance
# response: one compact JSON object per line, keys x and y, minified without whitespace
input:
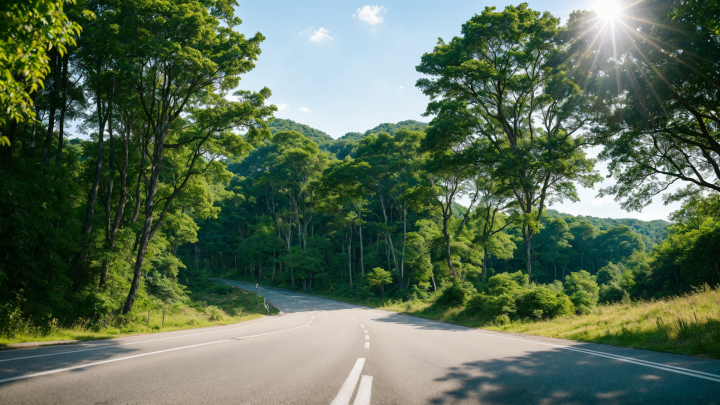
{"x":304,"y":109}
{"x":305,"y":31}
{"x":320,"y":35}
{"x":401,"y":87}
{"x":282,"y":106}
{"x":369,"y":14}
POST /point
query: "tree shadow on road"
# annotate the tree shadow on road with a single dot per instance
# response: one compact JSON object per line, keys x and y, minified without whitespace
{"x":558,"y":376}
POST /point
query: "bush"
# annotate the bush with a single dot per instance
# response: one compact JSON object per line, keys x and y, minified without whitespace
{"x":507,"y":283}
{"x":501,"y":320}
{"x":457,"y":294}
{"x":541,"y":302}
{"x":487,"y":307}
{"x":610,"y":293}
{"x":216,"y":314}
{"x":608,"y":274}
{"x":220,"y":289}
{"x":582,"y":290}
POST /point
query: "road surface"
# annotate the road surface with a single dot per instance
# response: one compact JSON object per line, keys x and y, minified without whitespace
{"x":326,"y":352}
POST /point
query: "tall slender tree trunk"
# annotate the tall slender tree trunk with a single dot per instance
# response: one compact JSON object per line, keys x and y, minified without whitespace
{"x":108,"y":202}
{"x":63,"y":109}
{"x":527,"y":235}
{"x":90,"y":210}
{"x":402,"y":255}
{"x":53,"y":105}
{"x":121,"y":205}
{"x":147,"y":230}
{"x":362,"y":256}
{"x":141,"y":172}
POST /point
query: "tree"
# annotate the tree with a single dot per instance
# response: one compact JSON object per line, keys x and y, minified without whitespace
{"x":491,"y":221}
{"x":660,"y":83}
{"x":379,"y":278}
{"x":447,"y":178}
{"x":29,"y":29}
{"x":199,"y":60}
{"x":343,"y":187}
{"x":502,"y":93}
{"x":558,"y":244}
{"x":582,"y":290}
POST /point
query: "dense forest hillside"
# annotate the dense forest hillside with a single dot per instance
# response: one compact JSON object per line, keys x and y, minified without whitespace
{"x":653,"y":232}
{"x":323,"y":140}
{"x":178,"y":181}
{"x":345,"y":145}
{"x":390,"y":128}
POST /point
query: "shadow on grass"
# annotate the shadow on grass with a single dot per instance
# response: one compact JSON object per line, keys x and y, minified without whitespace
{"x":701,"y":338}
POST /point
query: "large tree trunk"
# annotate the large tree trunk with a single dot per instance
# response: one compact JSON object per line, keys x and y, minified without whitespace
{"x":527,"y":235}
{"x":484,"y":263}
{"x":147,"y":229}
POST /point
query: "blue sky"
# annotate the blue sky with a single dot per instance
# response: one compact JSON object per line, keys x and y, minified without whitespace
{"x":344,"y":66}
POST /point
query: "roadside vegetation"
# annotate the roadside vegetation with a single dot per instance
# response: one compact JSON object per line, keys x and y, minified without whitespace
{"x":216,"y":304}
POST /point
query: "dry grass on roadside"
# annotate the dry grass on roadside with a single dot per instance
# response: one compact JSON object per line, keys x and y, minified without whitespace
{"x":689,"y":324}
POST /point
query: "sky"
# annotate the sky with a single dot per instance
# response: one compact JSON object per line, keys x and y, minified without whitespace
{"x":347,"y":66}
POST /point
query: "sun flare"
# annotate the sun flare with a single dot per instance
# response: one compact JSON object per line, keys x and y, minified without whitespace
{"x":608,"y":9}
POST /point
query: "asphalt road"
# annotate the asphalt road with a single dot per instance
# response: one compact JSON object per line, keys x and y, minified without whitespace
{"x":326,"y":352}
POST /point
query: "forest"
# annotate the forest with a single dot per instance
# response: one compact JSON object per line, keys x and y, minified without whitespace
{"x":179,"y":175}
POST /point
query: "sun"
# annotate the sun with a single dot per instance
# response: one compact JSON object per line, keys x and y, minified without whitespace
{"x":608,"y":9}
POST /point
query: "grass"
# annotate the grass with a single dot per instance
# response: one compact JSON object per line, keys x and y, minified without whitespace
{"x":206,"y":309}
{"x":687,"y":324}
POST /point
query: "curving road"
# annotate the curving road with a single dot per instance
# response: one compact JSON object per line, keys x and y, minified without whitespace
{"x":326,"y":352}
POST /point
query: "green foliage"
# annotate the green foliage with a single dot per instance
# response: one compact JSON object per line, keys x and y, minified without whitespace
{"x":543,"y":303}
{"x":582,"y":290}
{"x":456,"y":295}
{"x":379,"y":278}
{"x":507,"y":283}
{"x":29,"y":29}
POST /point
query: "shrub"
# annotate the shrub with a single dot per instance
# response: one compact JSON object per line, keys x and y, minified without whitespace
{"x":608,"y":274}
{"x":216,"y":314}
{"x":501,"y":320}
{"x":582,"y":290}
{"x":610,"y":293}
{"x":487,"y":307}
{"x":220,"y":289}
{"x":541,"y":303}
{"x":457,"y":294}
{"x":507,"y":283}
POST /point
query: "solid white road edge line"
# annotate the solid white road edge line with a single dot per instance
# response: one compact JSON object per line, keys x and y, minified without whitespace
{"x":672,"y":369}
{"x":364,"y":391}
{"x":60,"y":370}
{"x":348,"y":387}
{"x":134,"y":343}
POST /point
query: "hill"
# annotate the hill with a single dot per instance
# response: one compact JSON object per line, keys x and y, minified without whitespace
{"x":652,"y":231}
{"x":323,"y":140}
{"x":386,"y":127}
